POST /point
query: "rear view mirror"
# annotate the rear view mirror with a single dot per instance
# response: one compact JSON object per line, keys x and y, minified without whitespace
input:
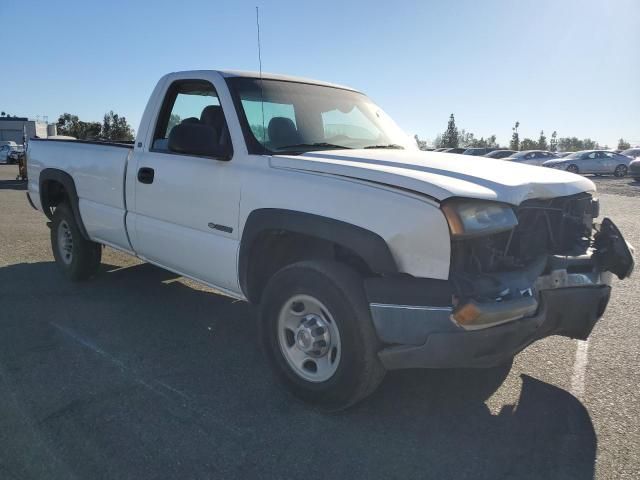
{"x":197,"y":139}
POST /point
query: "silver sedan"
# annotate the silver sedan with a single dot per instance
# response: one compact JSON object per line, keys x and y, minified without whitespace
{"x":599,"y":162}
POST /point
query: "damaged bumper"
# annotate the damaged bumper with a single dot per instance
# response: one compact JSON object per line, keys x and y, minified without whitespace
{"x":555,"y":295}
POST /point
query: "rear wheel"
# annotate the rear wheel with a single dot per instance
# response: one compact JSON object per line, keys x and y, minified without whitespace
{"x":573,"y":168}
{"x":78,"y":257}
{"x":318,"y":334}
{"x":620,"y":171}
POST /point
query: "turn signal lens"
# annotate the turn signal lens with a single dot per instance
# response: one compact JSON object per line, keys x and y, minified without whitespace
{"x":466,"y":314}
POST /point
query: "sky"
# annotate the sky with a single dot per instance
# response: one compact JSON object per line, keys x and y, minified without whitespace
{"x":567,"y":65}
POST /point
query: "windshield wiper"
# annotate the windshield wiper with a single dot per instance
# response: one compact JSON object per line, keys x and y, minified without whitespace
{"x":313,"y":145}
{"x":390,"y":145}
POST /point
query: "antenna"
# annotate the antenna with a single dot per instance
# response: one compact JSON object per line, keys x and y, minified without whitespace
{"x":264,"y":131}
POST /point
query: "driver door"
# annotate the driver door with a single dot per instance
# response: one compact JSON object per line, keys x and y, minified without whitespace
{"x":185,"y":209}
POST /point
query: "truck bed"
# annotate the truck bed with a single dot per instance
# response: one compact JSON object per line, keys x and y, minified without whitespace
{"x":98,"y":170}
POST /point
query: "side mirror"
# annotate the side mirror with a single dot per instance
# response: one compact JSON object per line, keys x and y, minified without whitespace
{"x":197,"y":139}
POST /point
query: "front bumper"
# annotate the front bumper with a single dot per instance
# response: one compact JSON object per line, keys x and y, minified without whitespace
{"x":570,"y":312}
{"x":565,"y":296}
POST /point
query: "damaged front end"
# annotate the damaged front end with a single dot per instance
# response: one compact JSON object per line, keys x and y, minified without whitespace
{"x":517,"y":274}
{"x":555,"y":244}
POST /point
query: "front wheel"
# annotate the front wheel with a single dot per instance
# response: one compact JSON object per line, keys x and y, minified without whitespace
{"x":78,"y":257}
{"x":318,"y":334}
{"x":620,"y":171}
{"x":573,"y":168}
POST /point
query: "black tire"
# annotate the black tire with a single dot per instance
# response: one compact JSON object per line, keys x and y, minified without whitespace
{"x":573,"y":168}
{"x":339,"y":289}
{"x":620,"y":171}
{"x":82,"y":259}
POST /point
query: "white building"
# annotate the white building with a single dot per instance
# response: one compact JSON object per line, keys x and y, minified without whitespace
{"x":17,"y":129}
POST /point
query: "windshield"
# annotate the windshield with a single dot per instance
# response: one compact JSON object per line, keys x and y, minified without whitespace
{"x":289,"y":117}
{"x":574,"y":155}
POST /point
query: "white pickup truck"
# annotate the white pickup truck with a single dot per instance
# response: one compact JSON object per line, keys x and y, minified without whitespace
{"x":364,"y":253}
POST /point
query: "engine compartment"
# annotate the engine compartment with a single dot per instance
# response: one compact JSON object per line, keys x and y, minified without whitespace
{"x":558,"y":226}
{"x":500,"y":266}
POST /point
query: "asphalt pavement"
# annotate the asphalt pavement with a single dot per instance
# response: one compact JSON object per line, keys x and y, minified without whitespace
{"x":141,"y":374}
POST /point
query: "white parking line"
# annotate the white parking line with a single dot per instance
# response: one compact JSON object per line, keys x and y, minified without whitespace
{"x":579,"y":368}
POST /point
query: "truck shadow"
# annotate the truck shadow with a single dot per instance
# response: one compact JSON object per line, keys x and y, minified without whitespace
{"x":134,"y":365}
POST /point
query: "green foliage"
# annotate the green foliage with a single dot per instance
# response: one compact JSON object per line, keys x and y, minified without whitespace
{"x":553,"y":144}
{"x":70,"y":125}
{"x":528,"y":144}
{"x":515,"y":138}
{"x":450,"y":137}
{"x":542,"y":141}
{"x":174,"y":119}
{"x":623,"y":145}
{"x":259,"y":132}
{"x":574,"y":144}
{"x":113,"y":127}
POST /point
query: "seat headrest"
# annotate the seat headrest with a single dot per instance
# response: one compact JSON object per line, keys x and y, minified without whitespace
{"x":212,"y":115}
{"x":282,"y":131}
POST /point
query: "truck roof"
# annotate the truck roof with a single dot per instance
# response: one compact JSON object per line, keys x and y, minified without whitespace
{"x":272,"y":76}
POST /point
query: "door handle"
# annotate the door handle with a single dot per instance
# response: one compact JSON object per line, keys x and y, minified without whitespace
{"x":145,"y":175}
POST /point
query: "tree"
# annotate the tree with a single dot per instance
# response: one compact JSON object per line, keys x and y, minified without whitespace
{"x":115,"y":127}
{"x":542,"y":141}
{"x":465,"y":139}
{"x":622,"y":145}
{"x":553,"y":144}
{"x":174,"y":119}
{"x":437,"y":142}
{"x":515,"y":138}
{"x":450,"y":137}
{"x":68,"y":124}
{"x":528,"y":144}
{"x":422,"y":144}
{"x":3,"y":114}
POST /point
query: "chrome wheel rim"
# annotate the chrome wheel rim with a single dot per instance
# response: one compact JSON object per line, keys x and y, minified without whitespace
{"x":309,"y":338}
{"x":621,"y":171}
{"x":65,"y":242}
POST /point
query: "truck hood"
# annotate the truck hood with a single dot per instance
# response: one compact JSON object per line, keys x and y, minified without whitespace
{"x":440,"y":175}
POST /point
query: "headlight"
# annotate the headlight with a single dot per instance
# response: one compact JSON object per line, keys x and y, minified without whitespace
{"x":468,"y":218}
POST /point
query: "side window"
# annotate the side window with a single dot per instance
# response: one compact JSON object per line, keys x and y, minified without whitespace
{"x":189,"y":101}
{"x":592,"y":155}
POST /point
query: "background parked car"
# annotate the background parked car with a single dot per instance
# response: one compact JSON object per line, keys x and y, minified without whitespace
{"x":478,"y":151}
{"x":599,"y":162}
{"x":454,"y":150}
{"x":562,"y":154}
{"x":632,"y":152}
{"x":500,"y":153}
{"x":5,"y":151}
{"x":531,"y":157}
{"x":15,"y":154}
{"x":439,"y":149}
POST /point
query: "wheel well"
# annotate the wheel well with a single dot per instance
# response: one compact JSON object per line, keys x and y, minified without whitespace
{"x":273,"y":250}
{"x":53,"y":193}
